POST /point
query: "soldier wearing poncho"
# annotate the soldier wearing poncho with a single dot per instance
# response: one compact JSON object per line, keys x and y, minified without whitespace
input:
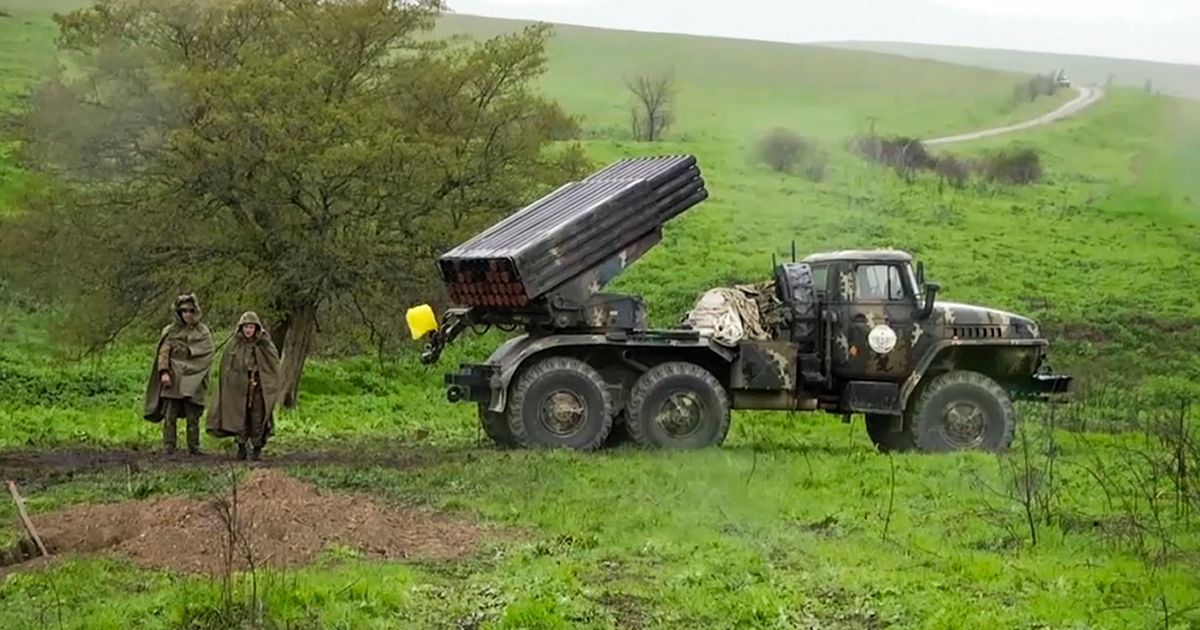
{"x":178,"y":382}
{"x":244,"y":403}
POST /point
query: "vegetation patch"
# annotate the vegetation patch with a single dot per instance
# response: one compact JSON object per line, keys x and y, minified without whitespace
{"x":909,"y":156}
{"x":787,"y":151}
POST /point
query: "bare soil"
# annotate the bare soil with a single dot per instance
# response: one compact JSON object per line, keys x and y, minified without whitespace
{"x":35,"y":468}
{"x":280,"y":522}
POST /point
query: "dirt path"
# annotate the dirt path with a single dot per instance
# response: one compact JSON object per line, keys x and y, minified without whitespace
{"x":1087,"y":97}
{"x":34,"y":468}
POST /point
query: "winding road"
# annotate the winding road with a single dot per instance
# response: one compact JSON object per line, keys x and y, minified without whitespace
{"x":1088,"y":96}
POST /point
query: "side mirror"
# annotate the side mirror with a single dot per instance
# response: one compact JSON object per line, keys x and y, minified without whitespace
{"x":931,"y":291}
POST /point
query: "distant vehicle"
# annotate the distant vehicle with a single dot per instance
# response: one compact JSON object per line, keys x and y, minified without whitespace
{"x":857,"y":332}
{"x":1062,"y":80}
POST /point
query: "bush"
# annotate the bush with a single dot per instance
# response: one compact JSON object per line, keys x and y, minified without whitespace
{"x":952,"y":170}
{"x":786,"y":151}
{"x":899,"y":152}
{"x":1013,"y":166}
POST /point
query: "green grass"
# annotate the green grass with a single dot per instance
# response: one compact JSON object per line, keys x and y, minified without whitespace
{"x":1170,"y":78}
{"x":731,"y":538}
{"x":26,"y":53}
{"x":785,"y":526}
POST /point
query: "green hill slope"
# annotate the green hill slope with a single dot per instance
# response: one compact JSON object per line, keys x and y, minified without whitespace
{"x":1176,"y":79}
{"x":729,"y":89}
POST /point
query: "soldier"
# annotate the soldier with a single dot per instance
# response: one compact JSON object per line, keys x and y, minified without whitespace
{"x":243,"y":406}
{"x":178,"y":381}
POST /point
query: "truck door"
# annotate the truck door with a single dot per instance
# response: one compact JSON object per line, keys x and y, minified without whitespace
{"x":876,"y":328}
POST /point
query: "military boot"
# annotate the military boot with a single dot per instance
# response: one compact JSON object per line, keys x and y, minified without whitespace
{"x":168,"y":436}
{"x":241,"y":453}
{"x":256,"y":454}
{"x":193,"y":437}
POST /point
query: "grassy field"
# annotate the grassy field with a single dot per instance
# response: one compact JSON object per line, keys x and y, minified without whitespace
{"x":796,"y":523}
{"x":1170,"y":78}
{"x":26,"y":53}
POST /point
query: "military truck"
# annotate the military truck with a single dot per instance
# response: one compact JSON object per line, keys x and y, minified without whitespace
{"x":858,"y":332}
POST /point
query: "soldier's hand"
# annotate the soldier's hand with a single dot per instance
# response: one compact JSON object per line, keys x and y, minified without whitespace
{"x":165,"y":379}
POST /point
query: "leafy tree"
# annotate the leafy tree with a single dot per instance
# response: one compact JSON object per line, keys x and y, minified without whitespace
{"x":294,"y":156}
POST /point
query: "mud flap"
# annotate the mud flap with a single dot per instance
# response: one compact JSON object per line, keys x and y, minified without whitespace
{"x":879,"y":397}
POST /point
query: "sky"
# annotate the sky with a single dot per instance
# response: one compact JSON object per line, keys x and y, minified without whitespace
{"x":1158,"y":30}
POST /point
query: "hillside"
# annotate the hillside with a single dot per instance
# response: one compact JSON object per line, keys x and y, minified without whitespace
{"x":732,"y":89}
{"x":797,"y":521}
{"x":1175,"y":79}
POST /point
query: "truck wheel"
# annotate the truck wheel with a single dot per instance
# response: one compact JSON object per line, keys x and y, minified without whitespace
{"x":678,"y":405}
{"x":879,"y":428}
{"x":495,"y":425}
{"x":560,"y":402}
{"x":619,"y":436}
{"x":963,"y":410}
{"x":795,"y":284}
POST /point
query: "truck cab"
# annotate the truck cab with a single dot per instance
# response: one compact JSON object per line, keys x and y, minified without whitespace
{"x":889,"y":343}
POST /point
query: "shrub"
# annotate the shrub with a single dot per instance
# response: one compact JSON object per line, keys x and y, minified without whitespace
{"x":1013,"y":166}
{"x":786,"y":151}
{"x":899,"y":152}
{"x":952,"y":170}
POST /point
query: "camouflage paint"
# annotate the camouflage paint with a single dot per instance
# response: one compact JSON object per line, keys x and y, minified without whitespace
{"x":765,"y":365}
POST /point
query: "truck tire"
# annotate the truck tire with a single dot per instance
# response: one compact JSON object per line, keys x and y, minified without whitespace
{"x":795,"y":284}
{"x":560,"y":402}
{"x":495,"y":425}
{"x":963,"y":410}
{"x":879,"y":428}
{"x":619,"y":436}
{"x":678,"y":405}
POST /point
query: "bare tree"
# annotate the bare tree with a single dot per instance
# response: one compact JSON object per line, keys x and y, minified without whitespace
{"x":651,"y":113}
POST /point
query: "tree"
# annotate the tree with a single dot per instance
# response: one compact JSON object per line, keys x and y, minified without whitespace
{"x":653,"y":98}
{"x":298,"y":155}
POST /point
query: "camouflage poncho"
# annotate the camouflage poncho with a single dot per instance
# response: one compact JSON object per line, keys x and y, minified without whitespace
{"x":227,"y":417}
{"x":191,"y":359}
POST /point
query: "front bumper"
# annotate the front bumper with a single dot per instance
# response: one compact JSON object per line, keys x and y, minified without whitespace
{"x":471,"y":383}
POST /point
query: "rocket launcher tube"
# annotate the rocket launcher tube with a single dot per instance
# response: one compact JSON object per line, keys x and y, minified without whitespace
{"x":570,"y":231}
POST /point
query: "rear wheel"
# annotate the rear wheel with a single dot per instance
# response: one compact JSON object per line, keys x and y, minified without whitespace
{"x":963,"y":411}
{"x":678,"y":405}
{"x":560,"y":402}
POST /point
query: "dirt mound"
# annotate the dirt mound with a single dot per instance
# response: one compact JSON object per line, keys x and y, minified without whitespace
{"x":279,"y":521}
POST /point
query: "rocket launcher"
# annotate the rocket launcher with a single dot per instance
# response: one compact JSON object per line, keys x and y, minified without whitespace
{"x":545,"y":265}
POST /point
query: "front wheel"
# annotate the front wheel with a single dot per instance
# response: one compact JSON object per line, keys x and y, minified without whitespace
{"x":678,"y":405}
{"x":879,"y":428}
{"x":963,"y":411}
{"x":495,"y":426}
{"x":560,"y":402}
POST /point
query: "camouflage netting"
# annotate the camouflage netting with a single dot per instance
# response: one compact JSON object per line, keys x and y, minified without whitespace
{"x":730,"y":314}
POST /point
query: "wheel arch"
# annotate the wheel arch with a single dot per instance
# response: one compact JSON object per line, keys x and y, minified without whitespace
{"x":1007,"y":362}
{"x":519,"y":353}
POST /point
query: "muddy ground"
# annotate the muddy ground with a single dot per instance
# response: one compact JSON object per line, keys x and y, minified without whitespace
{"x":42,"y":467}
